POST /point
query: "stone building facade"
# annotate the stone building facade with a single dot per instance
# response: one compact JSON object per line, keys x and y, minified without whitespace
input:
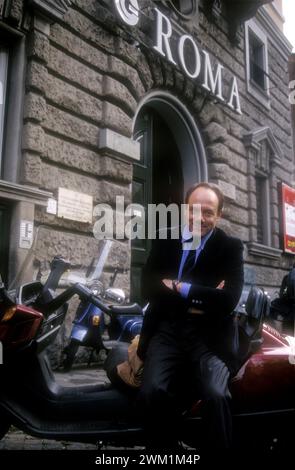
{"x":292,"y":93}
{"x":100,"y":99}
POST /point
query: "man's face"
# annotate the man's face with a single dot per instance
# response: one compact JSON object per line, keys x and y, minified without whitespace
{"x":208,"y":201}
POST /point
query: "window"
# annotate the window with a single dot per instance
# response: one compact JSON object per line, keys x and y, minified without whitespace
{"x":264,"y":151}
{"x":262,"y":211}
{"x":3,"y":80}
{"x":257,"y":63}
{"x":257,"y":72}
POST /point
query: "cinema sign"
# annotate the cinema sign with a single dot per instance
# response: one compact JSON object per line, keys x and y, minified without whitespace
{"x":183,"y":51}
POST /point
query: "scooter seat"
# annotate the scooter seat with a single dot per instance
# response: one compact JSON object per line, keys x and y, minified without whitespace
{"x":35,"y":393}
{"x":131,"y":309}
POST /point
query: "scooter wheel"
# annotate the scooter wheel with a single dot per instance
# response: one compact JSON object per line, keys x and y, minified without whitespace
{"x":70,"y":351}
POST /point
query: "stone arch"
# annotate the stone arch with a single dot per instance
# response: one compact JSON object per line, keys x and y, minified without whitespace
{"x":186,"y":133}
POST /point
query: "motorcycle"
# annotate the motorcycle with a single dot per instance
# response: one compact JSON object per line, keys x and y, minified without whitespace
{"x":30,"y":399}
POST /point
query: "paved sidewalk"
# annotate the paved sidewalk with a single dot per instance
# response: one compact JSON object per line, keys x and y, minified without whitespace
{"x":17,"y":440}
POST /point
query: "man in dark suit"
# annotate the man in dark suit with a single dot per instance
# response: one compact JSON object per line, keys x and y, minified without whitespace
{"x":191,"y":294}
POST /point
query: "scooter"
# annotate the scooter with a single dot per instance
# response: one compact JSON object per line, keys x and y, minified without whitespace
{"x":90,"y":324}
{"x":31,"y":400}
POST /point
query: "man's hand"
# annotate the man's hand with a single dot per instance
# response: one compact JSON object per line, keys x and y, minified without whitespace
{"x":168,"y":283}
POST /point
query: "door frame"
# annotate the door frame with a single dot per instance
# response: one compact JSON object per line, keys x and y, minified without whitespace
{"x":185,"y":131}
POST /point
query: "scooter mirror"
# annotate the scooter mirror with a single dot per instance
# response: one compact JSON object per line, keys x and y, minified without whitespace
{"x":115,"y":294}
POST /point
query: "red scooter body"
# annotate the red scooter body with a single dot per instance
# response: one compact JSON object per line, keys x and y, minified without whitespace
{"x":266,"y":382}
{"x":262,"y":390}
{"x":19,"y":326}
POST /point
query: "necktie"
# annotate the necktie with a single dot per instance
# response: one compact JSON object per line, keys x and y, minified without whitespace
{"x":189,"y":262}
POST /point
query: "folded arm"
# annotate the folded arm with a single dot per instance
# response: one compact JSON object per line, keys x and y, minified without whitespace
{"x":226,"y":299}
{"x":226,"y":294}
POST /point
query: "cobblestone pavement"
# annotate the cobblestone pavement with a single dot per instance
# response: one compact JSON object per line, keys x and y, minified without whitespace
{"x":17,"y":440}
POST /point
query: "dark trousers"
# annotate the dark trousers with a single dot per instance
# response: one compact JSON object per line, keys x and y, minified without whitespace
{"x":180,"y":366}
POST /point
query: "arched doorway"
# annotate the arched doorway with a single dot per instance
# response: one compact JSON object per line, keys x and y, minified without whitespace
{"x":172,"y":158}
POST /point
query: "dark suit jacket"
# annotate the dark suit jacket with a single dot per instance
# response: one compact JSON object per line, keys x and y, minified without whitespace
{"x":221,"y":259}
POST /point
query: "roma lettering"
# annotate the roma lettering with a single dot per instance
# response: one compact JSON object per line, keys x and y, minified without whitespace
{"x":184,"y":52}
{"x":211,"y":80}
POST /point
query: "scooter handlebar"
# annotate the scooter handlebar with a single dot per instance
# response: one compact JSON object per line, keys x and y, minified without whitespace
{"x":78,"y":289}
{"x":87,"y":295}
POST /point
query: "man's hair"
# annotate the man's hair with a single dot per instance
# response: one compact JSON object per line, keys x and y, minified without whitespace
{"x":213,"y":188}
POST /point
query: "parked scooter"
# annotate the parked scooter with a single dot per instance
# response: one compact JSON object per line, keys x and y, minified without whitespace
{"x":31,"y":400}
{"x":30,"y":397}
{"x":91,"y":323}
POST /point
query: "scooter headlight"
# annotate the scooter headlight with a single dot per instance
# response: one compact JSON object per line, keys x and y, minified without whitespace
{"x":95,"y":320}
{"x":96,"y":287}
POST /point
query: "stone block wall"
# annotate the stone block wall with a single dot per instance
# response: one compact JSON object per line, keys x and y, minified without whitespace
{"x":74,"y":88}
{"x":84,"y":75}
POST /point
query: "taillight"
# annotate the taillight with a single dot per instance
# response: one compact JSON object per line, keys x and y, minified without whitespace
{"x":18,"y":326}
{"x":8,"y":314}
